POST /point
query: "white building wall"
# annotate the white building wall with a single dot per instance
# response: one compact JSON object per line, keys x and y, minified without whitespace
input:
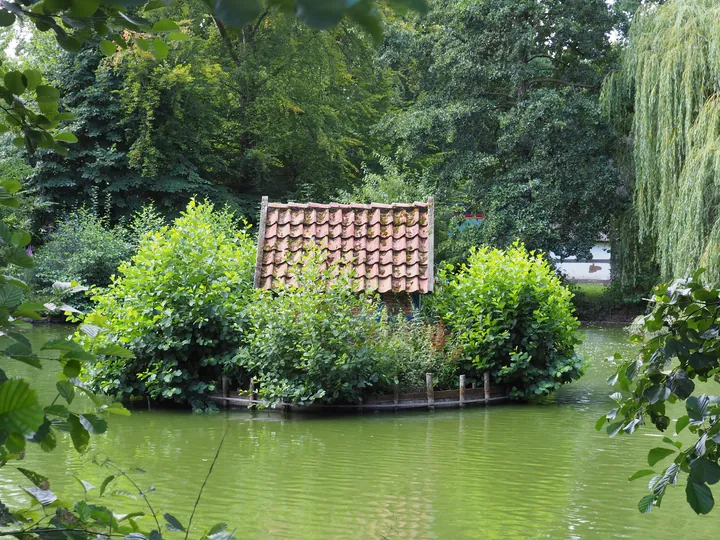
{"x":595,"y":270}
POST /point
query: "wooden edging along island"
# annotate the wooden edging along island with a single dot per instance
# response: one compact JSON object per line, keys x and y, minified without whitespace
{"x":430,"y":399}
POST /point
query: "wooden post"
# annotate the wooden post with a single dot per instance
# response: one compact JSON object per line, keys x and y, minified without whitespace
{"x":261,"y":241}
{"x":431,"y":244}
{"x":253,"y":395}
{"x":396,"y":394}
{"x":430,"y":391}
{"x":225,"y":391}
{"x":486,"y":381}
{"x":461,"y":393}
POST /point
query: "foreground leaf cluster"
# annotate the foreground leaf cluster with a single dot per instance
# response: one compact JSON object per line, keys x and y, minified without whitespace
{"x":678,"y":363}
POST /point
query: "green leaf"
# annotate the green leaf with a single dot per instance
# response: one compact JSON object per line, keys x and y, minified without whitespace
{"x":20,"y":239}
{"x":159,"y":49}
{"x":165,"y":25}
{"x":116,"y":408}
{"x":68,"y":42}
{"x":697,"y":407}
{"x":72,"y":369}
{"x":705,"y":470}
{"x":6,"y":18}
{"x":640,"y":474}
{"x":87,"y":486}
{"x":177,"y":36}
{"x":699,"y":497}
{"x":83,"y":8}
{"x":237,"y":14}
{"x":20,"y":411}
{"x":320,"y":14}
{"x":646,"y":504}
{"x":108,"y":48}
{"x":217,"y":528}
{"x":614,"y":428}
{"x":676,"y":444}
{"x":57,"y":410}
{"x":143,"y":44}
{"x":43,"y":496}
{"x":43,"y":482}
{"x":66,"y":137}
{"x":173,"y":524}
{"x":15,"y":82}
{"x":66,"y":390}
{"x":105,"y":483}
{"x":33,"y":78}
{"x":83,"y":510}
{"x":658,"y":454}
{"x":79,"y":435}
{"x":93,"y":423}
{"x":601,"y":422}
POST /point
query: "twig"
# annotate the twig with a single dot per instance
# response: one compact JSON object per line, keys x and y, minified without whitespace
{"x":197,"y":501}
{"x":120,"y":472}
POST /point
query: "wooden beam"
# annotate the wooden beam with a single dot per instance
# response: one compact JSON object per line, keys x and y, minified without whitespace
{"x":260,"y":242}
{"x":431,"y":243}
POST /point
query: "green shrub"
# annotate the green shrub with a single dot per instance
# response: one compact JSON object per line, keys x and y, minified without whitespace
{"x":315,"y":340}
{"x":179,"y":305}
{"x":145,"y":221}
{"x":82,"y":247}
{"x":511,"y":315}
{"x":410,"y":348}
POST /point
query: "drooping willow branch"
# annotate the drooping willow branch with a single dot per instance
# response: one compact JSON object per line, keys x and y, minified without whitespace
{"x":666,"y":97}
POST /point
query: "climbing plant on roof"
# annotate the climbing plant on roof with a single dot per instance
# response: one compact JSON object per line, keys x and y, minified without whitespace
{"x":666,"y":97}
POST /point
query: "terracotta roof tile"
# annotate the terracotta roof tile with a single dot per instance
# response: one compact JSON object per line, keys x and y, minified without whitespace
{"x":388,"y":245}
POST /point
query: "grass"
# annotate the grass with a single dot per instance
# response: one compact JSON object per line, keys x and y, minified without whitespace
{"x":590,"y":290}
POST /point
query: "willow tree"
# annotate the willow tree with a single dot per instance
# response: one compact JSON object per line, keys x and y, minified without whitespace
{"x":667,"y":95}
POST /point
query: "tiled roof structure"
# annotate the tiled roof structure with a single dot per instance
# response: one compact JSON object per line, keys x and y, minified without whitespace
{"x":390,"y":246}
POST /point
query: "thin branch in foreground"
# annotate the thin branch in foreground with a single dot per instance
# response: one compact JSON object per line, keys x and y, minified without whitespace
{"x":202,"y":488}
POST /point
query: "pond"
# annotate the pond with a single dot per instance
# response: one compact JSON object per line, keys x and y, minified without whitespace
{"x":510,"y":471}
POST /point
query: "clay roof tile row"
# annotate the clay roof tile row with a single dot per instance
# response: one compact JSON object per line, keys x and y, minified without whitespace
{"x":390,"y":246}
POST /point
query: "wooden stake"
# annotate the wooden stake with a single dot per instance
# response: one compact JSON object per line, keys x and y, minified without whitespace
{"x":486,"y":380}
{"x":225,"y":391}
{"x":430,"y":391}
{"x":461,"y":393}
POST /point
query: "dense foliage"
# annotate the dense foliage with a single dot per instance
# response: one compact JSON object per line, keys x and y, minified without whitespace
{"x":32,"y":107}
{"x":500,"y":115}
{"x":83,"y":247}
{"x":179,"y":304}
{"x":665,"y":97}
{"x":510,"y":314}
{"x":678,"y":363}
{"x":316,"y":339}
{"x":411,"y":348}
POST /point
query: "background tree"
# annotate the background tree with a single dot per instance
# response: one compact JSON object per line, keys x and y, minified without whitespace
{"x":665,"y":97}
{"x":500,"y":109}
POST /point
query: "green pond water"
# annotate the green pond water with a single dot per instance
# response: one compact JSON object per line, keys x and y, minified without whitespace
{"x":508,"y":471}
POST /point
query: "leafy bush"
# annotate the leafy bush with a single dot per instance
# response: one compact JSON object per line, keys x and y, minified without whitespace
{"x":179,"y":305}
{"x":314,"y":340}
{"x":145,"y":221}
{"x":410,"y":349}
{"x":83,"y":247}
{"x":510,"y":314}
{"x":678,"y":361}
